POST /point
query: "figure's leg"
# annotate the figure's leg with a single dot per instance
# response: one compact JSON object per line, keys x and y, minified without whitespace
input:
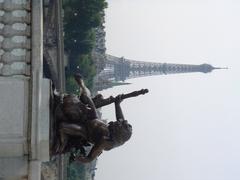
{"x":67,"y":130}
{"x":85,"y":96}
{"x":73,"y":130}
{"x":82,"y":87}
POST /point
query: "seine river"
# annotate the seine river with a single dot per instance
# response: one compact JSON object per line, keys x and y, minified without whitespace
{"x":185,"y":128}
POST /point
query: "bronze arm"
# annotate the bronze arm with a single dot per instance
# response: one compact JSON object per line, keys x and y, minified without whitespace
{"x":103,"y":102}
{"x":118,"y":112}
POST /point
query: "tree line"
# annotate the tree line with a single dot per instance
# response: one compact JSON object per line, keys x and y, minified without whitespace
{"x":81,"y":18}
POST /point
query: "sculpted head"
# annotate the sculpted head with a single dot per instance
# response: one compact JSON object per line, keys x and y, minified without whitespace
{"x":120,"y":132}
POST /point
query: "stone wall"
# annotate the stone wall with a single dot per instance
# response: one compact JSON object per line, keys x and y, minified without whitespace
{"x":24,"y":112}
{"x":14,"y":87}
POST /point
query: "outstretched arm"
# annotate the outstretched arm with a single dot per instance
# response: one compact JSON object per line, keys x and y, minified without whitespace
{"x":118,"y":109}
{"x":99,"y":101}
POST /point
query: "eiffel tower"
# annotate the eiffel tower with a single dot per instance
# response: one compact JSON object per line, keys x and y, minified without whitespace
{"x":120,"y":69}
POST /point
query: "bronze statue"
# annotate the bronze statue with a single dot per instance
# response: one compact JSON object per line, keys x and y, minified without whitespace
{"x":78,"y":122}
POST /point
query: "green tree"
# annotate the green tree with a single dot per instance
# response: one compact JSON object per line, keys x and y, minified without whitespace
{"x":81,"y":17}
{"x":85,"y":66}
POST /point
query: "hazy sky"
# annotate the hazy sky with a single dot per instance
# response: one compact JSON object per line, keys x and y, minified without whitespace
{"x":187,"y":126}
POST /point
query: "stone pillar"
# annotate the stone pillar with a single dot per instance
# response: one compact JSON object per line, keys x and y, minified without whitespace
{"x":40,"y":93}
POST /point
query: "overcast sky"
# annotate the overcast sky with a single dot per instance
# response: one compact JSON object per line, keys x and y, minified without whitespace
{"x":187,"y":126}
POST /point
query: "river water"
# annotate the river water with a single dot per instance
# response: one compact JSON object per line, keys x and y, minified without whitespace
{"x":185,"y":128}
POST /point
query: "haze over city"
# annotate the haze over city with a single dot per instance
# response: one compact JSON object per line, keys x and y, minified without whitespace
{"x":187,"y":126}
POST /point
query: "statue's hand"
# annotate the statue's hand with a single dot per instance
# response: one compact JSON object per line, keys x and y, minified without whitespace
{"x":111,"y":98}
{"x":77,"y":76}
{"x":119,"y":99}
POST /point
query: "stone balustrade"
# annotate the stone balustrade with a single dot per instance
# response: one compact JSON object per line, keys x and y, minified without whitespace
{"x":16,"y":68}
{"x":15,"y":17}
{"x":15,"y":37}
{"x":14,"y":42}
{"x":11,"y":5}
{"x":10,"y":57}
{"x":17,"y":29}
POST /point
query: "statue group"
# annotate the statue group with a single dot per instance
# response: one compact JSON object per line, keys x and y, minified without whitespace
{"x":78,"y":124}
